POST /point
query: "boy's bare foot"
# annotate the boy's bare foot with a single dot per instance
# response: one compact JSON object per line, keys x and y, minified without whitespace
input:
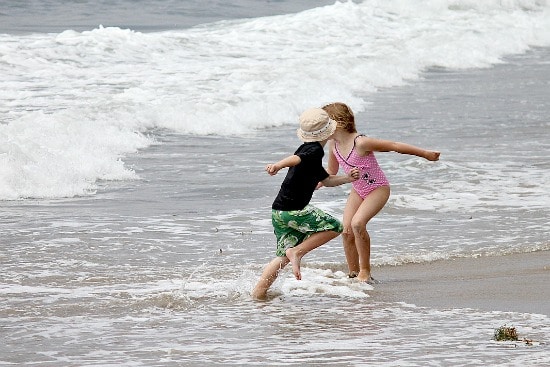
{"x":259,"y":294}
{"x":294,"y":257}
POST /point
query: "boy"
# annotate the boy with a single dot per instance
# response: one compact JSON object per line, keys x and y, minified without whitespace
{"x":299,"y":226}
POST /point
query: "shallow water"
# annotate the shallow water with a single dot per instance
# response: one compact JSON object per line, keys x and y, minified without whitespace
{"x":158,"y":271}
{"x":152,"y":263}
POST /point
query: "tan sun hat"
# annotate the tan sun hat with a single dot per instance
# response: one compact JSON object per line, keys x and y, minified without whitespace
{"x":315,"y":125}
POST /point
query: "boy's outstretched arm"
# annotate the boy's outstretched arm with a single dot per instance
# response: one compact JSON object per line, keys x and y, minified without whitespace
{"x":336,"y":180}
{"x":289,"y":161}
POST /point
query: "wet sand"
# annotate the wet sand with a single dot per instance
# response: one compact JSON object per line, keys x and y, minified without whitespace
{"x":516,"y":282}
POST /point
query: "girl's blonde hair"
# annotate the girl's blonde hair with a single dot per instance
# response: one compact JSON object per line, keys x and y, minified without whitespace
{"x":343,"y":115}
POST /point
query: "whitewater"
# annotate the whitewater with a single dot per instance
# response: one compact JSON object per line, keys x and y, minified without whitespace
{"x":74,"y":104}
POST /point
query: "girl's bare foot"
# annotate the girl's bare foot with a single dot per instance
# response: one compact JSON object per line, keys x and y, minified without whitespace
{"x":372,"y":281}
{"x":294,"y":257}
{"x":363,"y":276}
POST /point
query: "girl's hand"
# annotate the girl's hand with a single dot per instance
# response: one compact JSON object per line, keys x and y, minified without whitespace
{"x":432,"y":155}
{"x":354,"y":174}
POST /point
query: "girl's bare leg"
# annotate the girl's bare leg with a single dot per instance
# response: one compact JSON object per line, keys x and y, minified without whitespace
{"x":348,"y":239}
{"x":270,"y":273}
{"x":296,"y":253}
{"x":370,"y":206}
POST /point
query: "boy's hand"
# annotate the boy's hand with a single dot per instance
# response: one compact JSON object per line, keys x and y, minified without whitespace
{"x":354,"y":174}
{"x":432,"y":155}
{"x":272,"y":169}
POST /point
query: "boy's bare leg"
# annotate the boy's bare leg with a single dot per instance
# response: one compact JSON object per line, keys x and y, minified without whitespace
{"x":372,"y":204}
{"x":270,"y":273}
{"x":296,"y":253}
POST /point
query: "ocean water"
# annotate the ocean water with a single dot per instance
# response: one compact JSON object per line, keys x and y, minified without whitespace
{"x":136,"y":214}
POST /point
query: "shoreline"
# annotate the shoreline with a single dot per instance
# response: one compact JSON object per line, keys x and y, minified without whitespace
{"x":515,"y":282}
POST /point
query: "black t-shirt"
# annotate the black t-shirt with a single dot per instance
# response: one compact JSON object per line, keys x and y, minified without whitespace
{"x":300,"y":181}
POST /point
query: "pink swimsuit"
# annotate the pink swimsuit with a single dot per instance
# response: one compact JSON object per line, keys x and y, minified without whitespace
{"x":371,"y":175}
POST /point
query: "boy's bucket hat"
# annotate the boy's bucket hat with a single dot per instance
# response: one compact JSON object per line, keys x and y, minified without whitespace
{"x":315,"y":125}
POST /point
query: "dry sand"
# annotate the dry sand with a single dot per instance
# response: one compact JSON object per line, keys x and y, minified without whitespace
{"x":517,"y":282}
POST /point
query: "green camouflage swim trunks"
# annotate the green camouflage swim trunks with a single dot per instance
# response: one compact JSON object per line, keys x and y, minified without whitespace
{"x":293,"y":227}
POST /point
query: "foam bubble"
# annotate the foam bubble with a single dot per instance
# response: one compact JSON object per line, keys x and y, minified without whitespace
{"x":326,"y":282}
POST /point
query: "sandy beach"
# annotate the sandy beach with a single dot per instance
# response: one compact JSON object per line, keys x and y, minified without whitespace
{"x":516,"y":282}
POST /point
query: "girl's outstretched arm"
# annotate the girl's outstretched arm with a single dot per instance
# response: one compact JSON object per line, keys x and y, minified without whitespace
{"x":367,"y":144}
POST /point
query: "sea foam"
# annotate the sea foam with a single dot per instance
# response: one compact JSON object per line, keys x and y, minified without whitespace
{"x":74,"y":104}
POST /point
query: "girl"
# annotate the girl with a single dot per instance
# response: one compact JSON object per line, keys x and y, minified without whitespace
{"x":370,"y":192}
